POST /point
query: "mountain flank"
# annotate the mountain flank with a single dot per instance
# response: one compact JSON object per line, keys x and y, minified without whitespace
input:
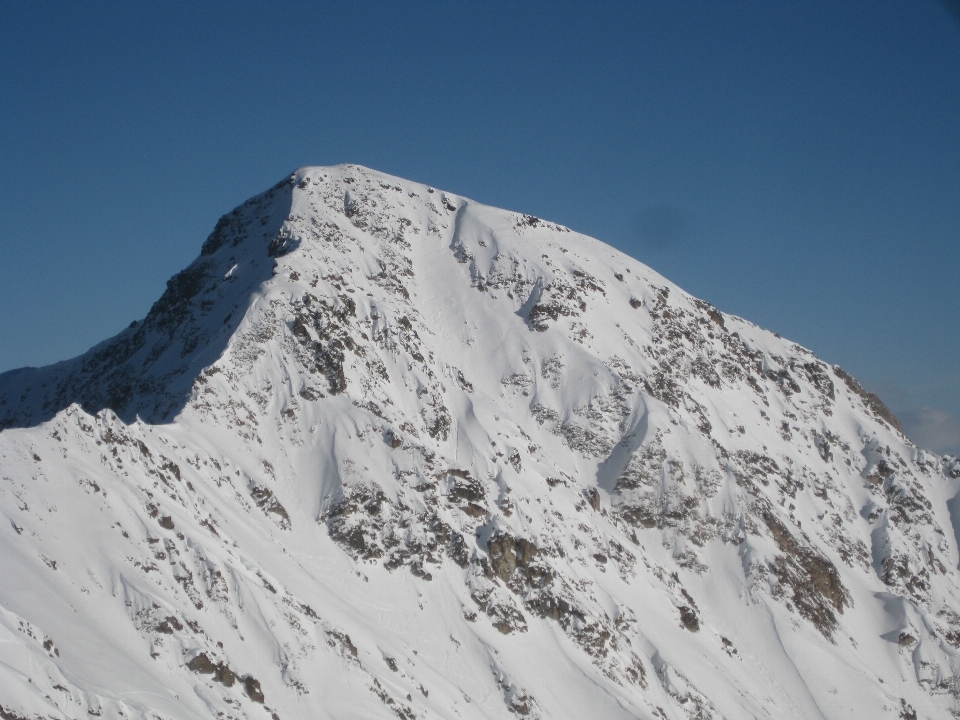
{"x":381,"y":451}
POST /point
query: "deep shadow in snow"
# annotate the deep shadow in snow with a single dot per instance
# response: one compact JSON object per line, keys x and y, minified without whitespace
{"x":149,"y":369}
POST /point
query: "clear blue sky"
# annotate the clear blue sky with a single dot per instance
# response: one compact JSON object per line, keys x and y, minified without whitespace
{"x":795,"y":163}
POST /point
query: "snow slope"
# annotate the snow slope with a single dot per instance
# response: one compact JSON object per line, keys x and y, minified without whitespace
{"x":382,"y":451}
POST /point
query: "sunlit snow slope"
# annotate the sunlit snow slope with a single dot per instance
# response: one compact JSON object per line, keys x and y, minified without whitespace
{"x":381,"y":451}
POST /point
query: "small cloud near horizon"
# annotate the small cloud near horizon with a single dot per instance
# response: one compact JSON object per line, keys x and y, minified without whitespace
{"x":933,"y":429}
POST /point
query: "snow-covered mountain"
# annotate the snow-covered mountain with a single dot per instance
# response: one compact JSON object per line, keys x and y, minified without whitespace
{"x":382,"y":451}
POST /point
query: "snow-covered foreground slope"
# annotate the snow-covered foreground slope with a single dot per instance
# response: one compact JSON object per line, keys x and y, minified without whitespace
{"x":385,"y":452}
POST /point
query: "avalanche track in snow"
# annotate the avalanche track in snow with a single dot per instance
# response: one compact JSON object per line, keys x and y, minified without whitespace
{"x":385,"y":452}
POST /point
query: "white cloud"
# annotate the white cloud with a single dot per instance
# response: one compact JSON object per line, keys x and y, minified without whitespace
{"x":933,"y":429}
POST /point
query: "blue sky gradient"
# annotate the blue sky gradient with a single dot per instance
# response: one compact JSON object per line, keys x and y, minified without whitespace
{"x":795,"y":163}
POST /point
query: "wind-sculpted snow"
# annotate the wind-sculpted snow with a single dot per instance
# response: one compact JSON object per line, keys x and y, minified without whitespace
{"x":381,"y":451}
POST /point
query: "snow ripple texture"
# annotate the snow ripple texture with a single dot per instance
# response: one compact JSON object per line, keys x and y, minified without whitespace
{"x":384,"y":452}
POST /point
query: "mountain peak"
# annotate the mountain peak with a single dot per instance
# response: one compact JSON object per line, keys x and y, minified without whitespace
{"x":383,"y":450}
